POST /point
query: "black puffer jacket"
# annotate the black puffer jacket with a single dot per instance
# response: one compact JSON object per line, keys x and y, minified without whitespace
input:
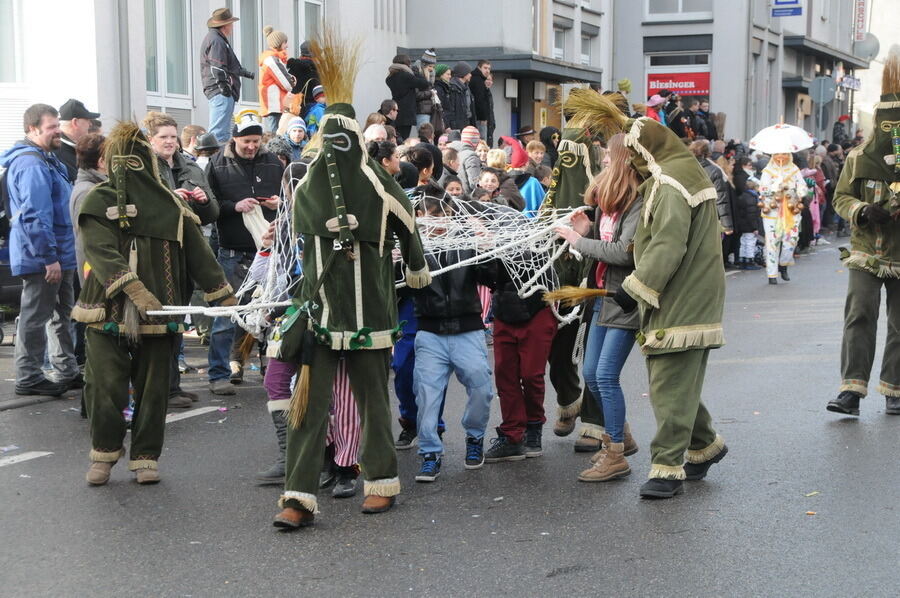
{"x":232,"y":179}
{"x":480,"y":93}
{"x":450,"y":304}
{"x":747,"y":217}
{"x":509,"y":308}
{"x":403,"y":84}
{"x":458,"y":112}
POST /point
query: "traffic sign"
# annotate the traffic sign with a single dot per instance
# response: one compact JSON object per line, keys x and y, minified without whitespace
{"x":822,"y":89}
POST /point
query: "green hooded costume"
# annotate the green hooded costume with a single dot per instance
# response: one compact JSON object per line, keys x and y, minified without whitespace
{"x":871,"y":176}
{"x":573,"y":171}
{"x":142,"y":245}
{"x":350,"y":212}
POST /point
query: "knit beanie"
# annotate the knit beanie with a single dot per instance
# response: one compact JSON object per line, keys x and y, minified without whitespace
{"x":304,"y":49}
{"x":470,"y":134}
{"x":429,"y":57}
{"x":317,"y":90}
{"x":280,"y":147}
{"x":296,"y":123}
{"x":274,"y":38}
{"x":461,"y":69}
{"x":440,"y":70}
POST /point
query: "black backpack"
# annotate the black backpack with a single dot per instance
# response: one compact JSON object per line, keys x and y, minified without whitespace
{"x":6,"y":215}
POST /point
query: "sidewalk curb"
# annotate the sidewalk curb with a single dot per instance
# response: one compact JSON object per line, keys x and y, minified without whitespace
{"x":27,"y":401}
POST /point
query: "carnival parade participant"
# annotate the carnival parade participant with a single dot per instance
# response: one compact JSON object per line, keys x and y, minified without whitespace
{"x":781,"y":191}
{"x":143,"y":245}
{"x":868,"y":196}
{"x":348,"y":211}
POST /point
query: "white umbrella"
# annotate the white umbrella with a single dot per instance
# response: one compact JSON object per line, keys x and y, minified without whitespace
{"x":781,"y":139}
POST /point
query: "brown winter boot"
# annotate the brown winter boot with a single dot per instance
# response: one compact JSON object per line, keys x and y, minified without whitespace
{"x":291,"y":518}
{"x":631,"y":446}
{"x":605,"y":441}
{"x":611,"y":466}
{"x":98,"y":474}
{"x":377,"y":504}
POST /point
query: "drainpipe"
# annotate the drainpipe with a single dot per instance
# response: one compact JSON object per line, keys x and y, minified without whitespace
{"x":124,"y":62}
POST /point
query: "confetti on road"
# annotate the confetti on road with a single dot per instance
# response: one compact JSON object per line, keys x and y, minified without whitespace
{"x":810,"y":512}
{"x":498,"y":499}
{"x":813,"y":493}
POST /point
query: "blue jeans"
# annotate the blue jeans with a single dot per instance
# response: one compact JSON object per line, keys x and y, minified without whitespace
{"x":221,"y":117}
{"x":437,"y":356}
{"x":223,"y":329}
{"x":604,"y":357}
{"x":270,"y":122}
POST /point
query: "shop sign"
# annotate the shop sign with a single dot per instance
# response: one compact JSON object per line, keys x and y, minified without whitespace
{"x":787,"y":8}
{"x":684,"y":84}
{"x":859,"y":20}
{"x":848,"y":82}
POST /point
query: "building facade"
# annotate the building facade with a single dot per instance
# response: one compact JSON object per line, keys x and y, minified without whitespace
{"x":755,"y":60}
{"x":124,"y":57}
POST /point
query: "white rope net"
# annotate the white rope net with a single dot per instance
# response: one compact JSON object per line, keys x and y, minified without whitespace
{"x":476,"y":232}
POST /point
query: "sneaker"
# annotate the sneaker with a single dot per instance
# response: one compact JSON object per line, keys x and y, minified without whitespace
{"x":407,"y":439}
{"x":504,"y":450}
{"x":184,"y":368}
{"x":221,"y":387}
{"x":431,"y":468}
{"x":533,"y":440}
{"x":237,"y":372}
{"x":327,"y":477}
{"x":846,"y":402}
{"x":178,"y":401}
{"x":474,"y":453}
{"x":44,"y":388}
{"x":345,"y":486}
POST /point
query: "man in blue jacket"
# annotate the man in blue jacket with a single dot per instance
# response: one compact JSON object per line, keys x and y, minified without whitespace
{"x":220,"y":73}
{"x":42,"y":253}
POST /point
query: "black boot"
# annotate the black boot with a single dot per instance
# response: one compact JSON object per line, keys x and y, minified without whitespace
{"x":892,"y":405}
{"x":773,"y":280}
{"x":846,"y":402}
{"x":275,"y":474}
{"x":533,"y":433}
{"x":660,"y":488}
{"x":749,"y":264}
{"x":697,"y":471}
{"x":784,"y":274}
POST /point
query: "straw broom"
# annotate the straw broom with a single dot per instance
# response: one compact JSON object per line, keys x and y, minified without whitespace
{"x":570,"y":296}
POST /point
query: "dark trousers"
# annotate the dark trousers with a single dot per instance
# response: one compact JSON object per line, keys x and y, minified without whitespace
{"x":520,"y":357}
{"x":111,"y":364}
{"x":564,"y":373}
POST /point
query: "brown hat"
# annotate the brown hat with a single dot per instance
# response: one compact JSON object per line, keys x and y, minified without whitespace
{"x":221,"y":17}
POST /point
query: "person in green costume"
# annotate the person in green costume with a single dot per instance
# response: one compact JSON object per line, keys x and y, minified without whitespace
{"x":143,"y":245}
{"x":868,"y":197}
{"x":351,"y":213}
{"x":679,"y":284}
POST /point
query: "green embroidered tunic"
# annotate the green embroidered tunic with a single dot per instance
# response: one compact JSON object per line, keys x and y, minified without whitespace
{"x":134,"y":228}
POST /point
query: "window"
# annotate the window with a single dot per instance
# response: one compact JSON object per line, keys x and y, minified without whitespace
{"x":9,"y":42}
{"x":559,"y":43}
{"x":249,"y":32}
{"x":586,"y":49}
{"x":167,"y":48}
{"x":678,"y":10}
{"x":675,"y":59}
{"x":312,"y":18}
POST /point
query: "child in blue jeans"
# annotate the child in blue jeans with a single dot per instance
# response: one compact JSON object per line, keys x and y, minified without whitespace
{"x":450,"y":338}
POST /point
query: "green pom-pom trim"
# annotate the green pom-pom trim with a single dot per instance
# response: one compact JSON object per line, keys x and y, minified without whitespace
{"x":361,"y":339}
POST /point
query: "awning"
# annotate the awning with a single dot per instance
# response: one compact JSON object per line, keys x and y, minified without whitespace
{"x":805,"y":45}
{"x":515,"y":63}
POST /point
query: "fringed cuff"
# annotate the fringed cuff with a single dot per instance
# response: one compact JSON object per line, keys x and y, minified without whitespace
{"x":705,"y":454}
{"x":88,"y":315}
{"x":591,"y":431}
{"x":385,"y":487}
{"x":684,"y":337}
{"x":888,"y":390}
{"x":218,"y":293}
{"x":99,"y":456}
{"x":666,"y":472}
{"x":278,"y":405}
{"x":118,"y":282}
{"x":136,"y":464}
{"x":861,"y":387}
{"x":640,"y":291}
{"x":418,"y":279}
{"x":301,"y":500}
{"x":570,"y":410}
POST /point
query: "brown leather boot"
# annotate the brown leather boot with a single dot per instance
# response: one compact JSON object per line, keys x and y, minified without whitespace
{"x":605,"y":441}
{"x":610,"y":467}
{"x":377,"y":504}
{"x":147,"y":476}
{"x":98,"y":474}
{"x":291,"y":518}
{"x":631,"y":446}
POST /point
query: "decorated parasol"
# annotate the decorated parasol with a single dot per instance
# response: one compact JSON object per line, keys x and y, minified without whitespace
{"x":781,"y":139}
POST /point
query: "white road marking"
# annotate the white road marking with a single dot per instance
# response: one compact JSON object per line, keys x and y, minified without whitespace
{"x":12,"y":460}
{"x":174,"y":417}
{"x":731,"y":273}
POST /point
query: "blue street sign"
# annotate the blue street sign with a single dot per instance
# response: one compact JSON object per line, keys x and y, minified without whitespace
{"x":794,"y":11}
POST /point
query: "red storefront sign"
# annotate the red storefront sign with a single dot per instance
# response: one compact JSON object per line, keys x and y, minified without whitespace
{"x":684,"y":84}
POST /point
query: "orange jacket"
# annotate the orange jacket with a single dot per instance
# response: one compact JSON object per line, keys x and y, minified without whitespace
{"x":274,"y":81}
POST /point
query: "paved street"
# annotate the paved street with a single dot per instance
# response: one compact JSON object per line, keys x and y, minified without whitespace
{"x":805,"y":504}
